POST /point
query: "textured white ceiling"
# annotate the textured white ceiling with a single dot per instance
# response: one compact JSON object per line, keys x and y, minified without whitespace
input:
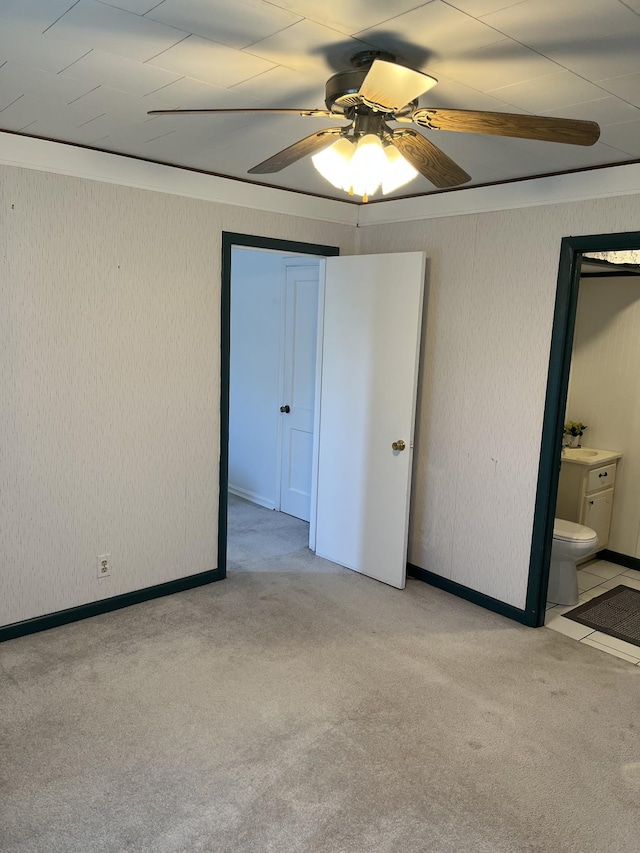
{"x":87,"y":72}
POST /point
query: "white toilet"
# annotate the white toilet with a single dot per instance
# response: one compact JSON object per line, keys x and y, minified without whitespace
{"x":571,"y":542}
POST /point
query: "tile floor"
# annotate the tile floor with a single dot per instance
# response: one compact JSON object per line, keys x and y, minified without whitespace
{"x":594,"y":579}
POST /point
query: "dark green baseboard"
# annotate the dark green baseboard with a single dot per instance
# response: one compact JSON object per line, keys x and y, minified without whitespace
{"x":620,"y":559}
{"x":471,"y":595}
{"x":106,"y":605}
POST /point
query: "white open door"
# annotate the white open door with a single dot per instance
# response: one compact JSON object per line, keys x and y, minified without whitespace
{"x":371,"y":342}
{"x":298,"y":396}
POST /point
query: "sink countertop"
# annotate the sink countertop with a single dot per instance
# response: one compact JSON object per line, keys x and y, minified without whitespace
{"x":589,"y":455}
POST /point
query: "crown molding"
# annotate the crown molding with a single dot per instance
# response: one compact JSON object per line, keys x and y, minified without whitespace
{"x":44,"y":155}
{"x":557,"y":189}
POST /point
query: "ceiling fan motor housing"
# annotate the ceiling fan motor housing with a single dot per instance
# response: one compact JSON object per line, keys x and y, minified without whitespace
{"x":342,"y":90}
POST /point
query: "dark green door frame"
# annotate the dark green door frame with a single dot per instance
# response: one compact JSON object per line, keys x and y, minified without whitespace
{"x":229,"y":240}
{"x":556,"y":400}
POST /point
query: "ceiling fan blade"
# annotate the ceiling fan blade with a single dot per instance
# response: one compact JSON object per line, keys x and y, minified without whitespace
{"x":544,"y":128}
{"x":429,"y":160}
{"x":260,"y":110}
{"x":389,"y":87}
{"x":301,"y":148}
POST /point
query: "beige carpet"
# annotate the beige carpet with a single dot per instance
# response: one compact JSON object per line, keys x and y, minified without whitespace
{"x":315,"y":712}
{"x":258,"y":539}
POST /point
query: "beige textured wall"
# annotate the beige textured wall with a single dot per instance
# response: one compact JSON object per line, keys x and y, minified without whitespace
{"x":489,"y":311}
{"x":109,"y":384}
{"x":109,"y":347}
{"x":604,"y":391}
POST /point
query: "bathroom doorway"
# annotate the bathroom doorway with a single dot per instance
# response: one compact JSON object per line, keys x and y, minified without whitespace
{"x":573,"y":251}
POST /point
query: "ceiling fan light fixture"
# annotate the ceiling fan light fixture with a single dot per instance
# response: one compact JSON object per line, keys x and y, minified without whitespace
{"x":361,"y":168}
{"x":333,"y":162}
{"x":367,"y":167}
{"x":399,"y":171}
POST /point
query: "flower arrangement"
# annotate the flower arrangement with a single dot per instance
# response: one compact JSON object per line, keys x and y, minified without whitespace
{"x":574,"y":428}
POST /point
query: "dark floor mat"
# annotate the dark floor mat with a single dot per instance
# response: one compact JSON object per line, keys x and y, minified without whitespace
{"x":615,"y":612}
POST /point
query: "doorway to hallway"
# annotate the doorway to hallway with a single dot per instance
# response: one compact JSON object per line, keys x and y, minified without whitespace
{"x":274,"y":317}
{"x":256,"y":528}
{"x":366,"y":383}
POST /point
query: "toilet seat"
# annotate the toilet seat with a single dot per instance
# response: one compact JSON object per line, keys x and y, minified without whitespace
{"x":569,"y":531}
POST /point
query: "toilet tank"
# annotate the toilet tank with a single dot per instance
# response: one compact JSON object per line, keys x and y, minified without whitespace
{"x":569,"y":502}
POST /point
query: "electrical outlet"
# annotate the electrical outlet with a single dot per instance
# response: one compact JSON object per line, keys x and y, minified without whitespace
{"x":104,"y":565}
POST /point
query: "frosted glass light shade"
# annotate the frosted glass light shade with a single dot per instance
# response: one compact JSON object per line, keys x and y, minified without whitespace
{"x":399,"y":171}
{"x":368,"y":166}
{"x":333,"y":162}
{"x":361,"y":168}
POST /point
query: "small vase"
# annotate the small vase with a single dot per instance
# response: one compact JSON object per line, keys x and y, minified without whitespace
{"x":573,"y":441}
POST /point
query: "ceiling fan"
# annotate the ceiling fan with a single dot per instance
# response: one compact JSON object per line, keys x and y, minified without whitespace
{"x":367,"y":152}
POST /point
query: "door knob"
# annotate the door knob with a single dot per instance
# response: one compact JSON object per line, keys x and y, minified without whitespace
{"x":398,"y":445}
{"x":285,"y":409}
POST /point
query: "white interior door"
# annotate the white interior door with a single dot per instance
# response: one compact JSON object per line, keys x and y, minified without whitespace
{"x":297,"y":407}
{"x":371,"y":340}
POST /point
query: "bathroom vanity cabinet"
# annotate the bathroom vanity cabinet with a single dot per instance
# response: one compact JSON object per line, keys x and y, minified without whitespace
{"x":586,"y":487}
